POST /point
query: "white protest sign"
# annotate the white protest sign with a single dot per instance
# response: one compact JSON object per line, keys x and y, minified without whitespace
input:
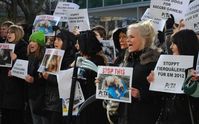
{"x":192,"y":16}
{"x":64,"y":80}
{"x":158,"y":23}
{"x":62,"y":9}
{"x":5,"y":58}
{"x":20,"y":69}
{"x":169,"y":73}
{"x":197,"y":66}
{"x":78,"y":20}
{"x":163,"y":8}
{"x":45,"y":24}
{"x":65,"y":108}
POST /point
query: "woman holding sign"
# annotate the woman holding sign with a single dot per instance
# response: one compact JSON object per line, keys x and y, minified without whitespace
{"x":180,"y":108}
{"x":64,"y":40}
{"x":144,"y":108}
{"x":35,"y":83}
{"x":13,"y":90}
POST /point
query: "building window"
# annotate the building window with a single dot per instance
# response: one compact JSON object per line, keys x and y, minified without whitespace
{"x":111,"y":2}
{"x":81,"y":3}
{"x":94,"y":3}
{"x":130,"y":1}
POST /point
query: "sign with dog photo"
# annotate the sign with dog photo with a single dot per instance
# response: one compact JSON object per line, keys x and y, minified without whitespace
{"x":5,"y":51}
{"x":114,"y":83}
{"x":51,"y":62}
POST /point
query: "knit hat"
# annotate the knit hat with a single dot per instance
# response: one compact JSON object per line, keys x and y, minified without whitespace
{"x":38,"y":37}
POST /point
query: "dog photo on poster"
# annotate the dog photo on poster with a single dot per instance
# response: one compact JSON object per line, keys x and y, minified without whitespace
{"x":114,"y":83}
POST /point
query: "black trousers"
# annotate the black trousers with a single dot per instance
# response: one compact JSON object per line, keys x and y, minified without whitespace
{"x":12,"y":116}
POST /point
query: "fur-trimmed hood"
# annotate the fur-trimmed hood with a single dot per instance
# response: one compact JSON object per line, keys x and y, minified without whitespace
{"x":145,"y":56}
{"x":149,"y":55}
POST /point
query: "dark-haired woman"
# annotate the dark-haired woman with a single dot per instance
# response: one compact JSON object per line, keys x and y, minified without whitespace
{"x":181,"y":108}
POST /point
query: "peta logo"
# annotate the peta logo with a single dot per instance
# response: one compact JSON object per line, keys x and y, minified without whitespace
{"x":165,"y":15}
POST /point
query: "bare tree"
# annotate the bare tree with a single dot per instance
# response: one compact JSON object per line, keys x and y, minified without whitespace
{"x":30,"y":8}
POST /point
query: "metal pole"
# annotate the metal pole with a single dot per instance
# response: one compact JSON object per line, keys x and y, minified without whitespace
{"x":72,"y":92}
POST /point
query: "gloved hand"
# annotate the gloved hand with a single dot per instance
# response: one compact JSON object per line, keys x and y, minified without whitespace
{"x":170,"y":22}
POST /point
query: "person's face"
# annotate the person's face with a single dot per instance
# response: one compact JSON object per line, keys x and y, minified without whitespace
{"x":4,"y":31}
{"x":174,"y":49}
{"x":123,"y":40}
{"x":11,"y":36}
{"x":58,"y":43}
{"x":33,"y":46}
{"x":135,"y":41}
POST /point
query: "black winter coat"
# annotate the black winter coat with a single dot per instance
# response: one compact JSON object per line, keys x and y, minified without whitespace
{"x":144,"y":110}
{"x":94,"y":113}
{"x":13,"y":87}
{"x":52,"y":100}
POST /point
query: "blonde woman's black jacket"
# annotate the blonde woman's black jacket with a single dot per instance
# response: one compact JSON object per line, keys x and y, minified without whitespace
{"x":143,"y":110}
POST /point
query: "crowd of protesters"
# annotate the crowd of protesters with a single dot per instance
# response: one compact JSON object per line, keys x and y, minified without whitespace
{"x":137,"y":46}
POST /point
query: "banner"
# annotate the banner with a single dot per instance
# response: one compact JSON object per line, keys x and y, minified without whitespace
{"x":51,"y":62}
{"x":45,"y":24}
{"x":192,"y":16}
{"x":114,"y":83}
{"x":78,"y":20}
{"x":158,"y":23}
{"x":5,"y":51}
{"x":163,"y":8}
{"x":169,"y":73}
{"x":62,"y":8}
{"x":20,"y":69}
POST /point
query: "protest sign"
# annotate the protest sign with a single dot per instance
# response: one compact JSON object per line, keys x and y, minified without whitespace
{"x":114,"y":83}
{"x":192,"y":16}
{"x":65,"y":108}
{"x":45,"y":24}
{"x":62,"y":8}
{"x":78,"y":99}
{"x":158,"y":23}
{"x":51,"y":62}
{"x":5,"y":58}
{"x":109,"y":50}
{"x":20,"y":69}
{"x":197,"y":66}
{"x":78,"y":20}
{"x":169,"y":73}
{"x":163,"y":8}
{"x":64,"y":79}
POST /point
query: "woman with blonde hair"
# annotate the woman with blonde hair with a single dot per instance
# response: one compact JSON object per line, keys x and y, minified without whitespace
{"x":144,"y":108}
